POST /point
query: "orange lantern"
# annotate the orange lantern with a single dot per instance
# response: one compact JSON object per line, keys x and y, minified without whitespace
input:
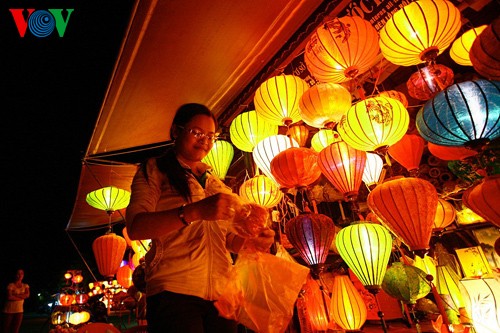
{"x":374,"y":124}
{"x":408,"y":152}
{"x":108,"y":251}
{"x":277,"y":99}
{"x":341,"y":49}
{"x":323,"y":138}
{"x":77,"y":278}
{"x":407,"y":206}
{"x":460,"y":48}
{"x":324,"y":104}
{"x":483,"y":199}
{"x":484,"y":52}
{"x":428,"y":81}
{"x":66,"y":299}
{"x":299,"y":133}
{"x":262,"y":191}
{"x":347,"y":306}
{"x":296,"y":167}
{"x":445,"y":215}
{"x":343,"y":166}
{"x":127,"y":238}
{"x":419,"y":31}
{"x":396,"y":95}
{"x":124,"y":276}
{"x":450,"y":153}
{"x":317,"y":302}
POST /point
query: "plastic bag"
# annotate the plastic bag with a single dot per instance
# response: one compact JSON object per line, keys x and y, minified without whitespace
{"x":250,"y":219}
{"x":262,"y":292}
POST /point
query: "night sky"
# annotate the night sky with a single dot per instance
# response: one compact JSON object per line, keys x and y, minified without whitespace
{"x":52,"y":90}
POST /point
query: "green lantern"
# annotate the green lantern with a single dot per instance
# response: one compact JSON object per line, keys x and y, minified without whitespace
{"x":405,"y":283}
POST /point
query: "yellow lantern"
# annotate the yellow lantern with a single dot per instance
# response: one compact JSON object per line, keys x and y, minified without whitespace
{"x":323,"y":138}
{"x":460,"y":48}
{"x":324,"y":104}
{"x":247,"y":129}
{"x":299,"y":133}
{"x":108,"y":251}
{"x":347,"y":306}
{"x":77,"y":318}
{"x":342,"y":49}
{"x":427,"y":264}
{"x":109,"y":199}
{"x":373,"y":169}
{"x":220,"y":158}
{"x":374,"y":124}
{"x":447,"y":286}
{"x":277,"y":99}
{"x":419,"y":32}
{"x":262,"y":191}
{"x":445,"y":215}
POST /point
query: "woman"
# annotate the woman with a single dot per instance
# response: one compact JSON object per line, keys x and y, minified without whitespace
{"x":185,"y":210}
{"x":17,"y":292}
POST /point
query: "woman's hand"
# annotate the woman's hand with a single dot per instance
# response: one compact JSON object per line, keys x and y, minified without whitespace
{"x":260,"y":243}
{"x":221,"y":206}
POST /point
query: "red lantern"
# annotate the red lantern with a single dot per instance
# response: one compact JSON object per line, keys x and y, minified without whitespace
{"x":445,"y":215}
{"x":295,"y":167}
{"x":343,"y":166}
{"x":483,"y":199}
{"x":450,"y":153}
{"x":428,"y":81}
{"x":408,"y":152}
{"x":484,"y":52}
{"x":407,"y":206}
{"x":66,"y":299}
{"x":124,"y":276}
{"x":81,"y":298}
{"x":108,"y":251}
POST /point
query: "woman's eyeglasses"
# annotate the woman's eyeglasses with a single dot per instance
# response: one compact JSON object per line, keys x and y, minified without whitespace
{"x":200,"y":135}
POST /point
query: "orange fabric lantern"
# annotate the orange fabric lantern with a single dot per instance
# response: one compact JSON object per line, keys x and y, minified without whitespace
{"x":396,"y":95}
{"x":460,"y":48}
{"x":296,"y":167}
{"x":484,"y":52}
{"x":408,"y":152}
{"x":428,"y":81}
{"x":407,"y":206}
{"x":483,"y":199}
{"x":374,"y":124}
{"x":317,"y":303}
{"x":341,"y":49}
{"x":419,"y":31}
{"x":66,"y":299}
{"x":324,"y":104}
{"x":124,"y":276}
{"x":347,"y":306}
{"x":299,"y":133}
{"x":262,"y":191}
{"x":108,"y":252}
{"x":277,"y":99}
{"x":77,"y":278}
{"x":445,"y":215}
{"x":127,"y":238}
{"x":323,"y":138}
{"x":343,"y":166}
{"x":450,"y":153}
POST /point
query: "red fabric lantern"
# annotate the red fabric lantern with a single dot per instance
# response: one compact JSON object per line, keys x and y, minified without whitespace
{"x":66,"y":299}
{"x":124,"y":276}
{"x":450,"y":153}
{"x":81,"y":298}
{"x":299,"y":133}
{"x":295,"y":167}
{"x":428,"y":81}
{"x":407,"y":206}
{"x":484,"y":52}
{"x":445,"y":215}
{"x":483,"y":199}
{"x":108,"y":251}
{"x":408,"y":152}
{"x":343,"y":166}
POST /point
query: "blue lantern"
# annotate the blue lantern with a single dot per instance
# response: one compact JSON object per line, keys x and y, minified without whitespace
{"x":464,"y":114}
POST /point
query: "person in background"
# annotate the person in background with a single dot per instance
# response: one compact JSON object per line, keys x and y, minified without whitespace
{"x":178,"y":203}
{"x":13,"y":310}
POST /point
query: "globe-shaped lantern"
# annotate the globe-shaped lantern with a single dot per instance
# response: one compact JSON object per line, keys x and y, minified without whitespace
{"x":323,"y":138}
{"x":374,"y":124}
{"x":124,"y":276}
{"x":299,"y":133}
{"x":450,"y":153}
{"x":108,"y":252}
{"x":261,"y":190}
{"x":347,"y":306}
{"x":277,"y":99}
{"x":460,"y":48}
{"x":343,"y":166}
{"x":445,"y":215}
{"x":483,"y":199}
{"x":109,"y":199}
{"x":426,"y":82}
{"x":220,"y":158}
{"x":405,"y":283}
{"x":484,"y":52}
{"x":464,"y":114}
{"x":247,"y":129}
{"x":341,"y":49}
{"x":373,"y":169}
{"x":365,"y":248}
{"x":407,"y":206}
{"x":296,"y":167}
{"x":408,"y":152}
{"x":419,"y":32}
{"x":324,"y":104}
{"x":398,"y":95}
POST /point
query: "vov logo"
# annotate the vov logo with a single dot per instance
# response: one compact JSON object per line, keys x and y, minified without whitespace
{"x":41,"y":23}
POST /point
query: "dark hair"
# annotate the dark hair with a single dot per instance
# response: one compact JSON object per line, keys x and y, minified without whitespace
{"x":168,"y":163}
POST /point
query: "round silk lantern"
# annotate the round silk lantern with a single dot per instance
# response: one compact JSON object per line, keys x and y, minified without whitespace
{"x":58,"y":318}
{"x":262,"y":191}
{"x":374,"y":124}
{"x":408,"y":152}
{"x":445,"y":215}
{"x":247,"y":129}
{"x":109,"y":199}
{"x":483,"y":53}
{"x":347,"y":306}
{"x":220,"y":158}
{"x":407,"y":206}
{"x":450,"y":153}
{"x":296,"y":167}
{"x":373,"y":169}
{"x":341,"y":49}
{"x":323,"y":138}
{"x":365,"y":248}
{"x":268,"y":148}
{"x":395,"y":95}
{"x":124,"y":276}
{"x":311,"y":235}
{"x":277,"y":99}
{"x":324,"y":104}
{"x":299,"y":133}
{"x":66,"y":299}
{"x":464,"y":114}
{"x":108,"y":252}
{"x":419,"y":32}
{"x":460,"y":48}
{"x":428,"y":81}
{"x":483,"y":199}
{"x":405,"y":283}
{"x":81,"y":298}
{"x":343,"y":166}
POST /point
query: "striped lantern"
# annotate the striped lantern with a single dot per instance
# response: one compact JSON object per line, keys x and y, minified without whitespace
{"x":450,"y":153}
{"x":323,"y":138}
{"x":220,"y":158}
{"x":408,"y":152}
{"x":484,"y":52}
{"x":348,"y":308}
{"x":445,"y":215}
{"x":426,"y":82}
{"x":483,"y":199}
{"x":460,"y":48}
{"x":296,"y":167}
{"x":373,"y":169}
{"x":108,"y":252}
{"x":262,"y":191}
{"x":124,"y":276}
{"x":247,"y":129}
{"x":299,"y":133}
{"x":109,"y":199}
